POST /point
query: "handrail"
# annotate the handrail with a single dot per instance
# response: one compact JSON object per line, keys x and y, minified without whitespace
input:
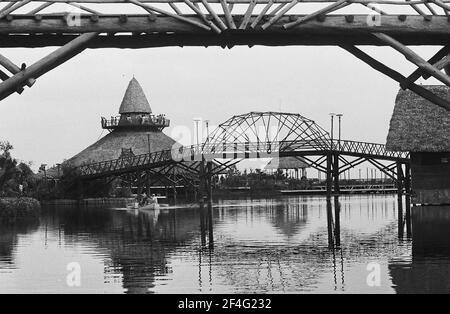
{"x":144,"y":120}
{"x":238,"y":150}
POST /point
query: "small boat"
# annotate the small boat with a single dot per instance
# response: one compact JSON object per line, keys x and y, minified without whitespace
{"x":136,"y":206}
{"x":153,"y":206}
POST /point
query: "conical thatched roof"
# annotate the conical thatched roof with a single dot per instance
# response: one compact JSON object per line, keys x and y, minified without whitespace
{"x":110,"y":147}
{"x":286,"y":163}
{"x":134,"y":100}
{"x":418,"y":125}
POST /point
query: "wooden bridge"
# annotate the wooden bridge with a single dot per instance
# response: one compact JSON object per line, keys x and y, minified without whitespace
{"x":260,"y":135}
{"x":226,"y":23}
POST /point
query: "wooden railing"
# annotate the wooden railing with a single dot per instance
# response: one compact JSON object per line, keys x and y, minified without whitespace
{"x":248,"y":150}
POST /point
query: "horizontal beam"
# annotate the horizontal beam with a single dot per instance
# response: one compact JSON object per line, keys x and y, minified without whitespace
{"x":385,"y":2}
{"x":167,"y":31}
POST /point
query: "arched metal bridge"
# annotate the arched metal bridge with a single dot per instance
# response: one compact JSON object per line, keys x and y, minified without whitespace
{"x":227,"y":23}
{"x":259,"y":135}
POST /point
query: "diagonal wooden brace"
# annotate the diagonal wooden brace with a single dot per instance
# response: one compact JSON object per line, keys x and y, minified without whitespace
{"x":14,"y":69}
{"x":46,"y":64}
{"x":414,"y":58}
{"x":377,"y":65}
{"x":418,"y":73}
{"x":440,"y":65}
{"x":4,"y":77}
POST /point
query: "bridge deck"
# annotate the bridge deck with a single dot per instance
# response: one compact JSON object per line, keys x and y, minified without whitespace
{"x":258,"y":150}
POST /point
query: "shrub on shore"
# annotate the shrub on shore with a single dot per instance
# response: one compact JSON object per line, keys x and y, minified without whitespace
{"x":16,"y":209}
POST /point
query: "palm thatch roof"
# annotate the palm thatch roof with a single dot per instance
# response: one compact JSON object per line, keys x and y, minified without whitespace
{"x":286,"y":163}
{"x":110,"y":146}
{"x":418,"y":125}
{"x":134,"y":100}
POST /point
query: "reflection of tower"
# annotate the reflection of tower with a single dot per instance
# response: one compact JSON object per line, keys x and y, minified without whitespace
{"x":290,"y":218}
{"x":135,"y":246}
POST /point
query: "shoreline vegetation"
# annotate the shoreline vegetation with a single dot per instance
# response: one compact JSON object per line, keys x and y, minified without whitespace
{"x":21,"y":188}
{"x":19,"y":209}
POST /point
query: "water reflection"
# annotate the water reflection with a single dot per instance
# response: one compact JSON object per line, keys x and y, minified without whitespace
{"x":292,"y":244}
{"x":429,"y":268}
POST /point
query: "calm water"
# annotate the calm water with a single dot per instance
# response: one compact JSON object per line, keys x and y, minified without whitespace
{"x":264,"y":245}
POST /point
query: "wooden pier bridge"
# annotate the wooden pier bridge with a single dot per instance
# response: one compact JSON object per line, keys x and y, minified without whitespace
{"x":257,"y":135}
{"x":81,"y":24}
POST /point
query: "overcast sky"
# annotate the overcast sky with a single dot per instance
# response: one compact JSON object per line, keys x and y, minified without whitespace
{"x":60,"y":115}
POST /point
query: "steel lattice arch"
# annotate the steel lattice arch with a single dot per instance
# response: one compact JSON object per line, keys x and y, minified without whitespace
{"x":273,"y":127}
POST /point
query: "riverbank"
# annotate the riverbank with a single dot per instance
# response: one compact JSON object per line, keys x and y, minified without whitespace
{"x":19,"y":209}
{"x":105,"y":202}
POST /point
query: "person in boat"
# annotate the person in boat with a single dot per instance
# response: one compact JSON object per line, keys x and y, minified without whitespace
{"x":153,"y":199}
{"x":144,"y":199}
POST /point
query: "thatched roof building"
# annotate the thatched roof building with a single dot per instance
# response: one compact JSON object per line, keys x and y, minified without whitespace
{"x":423,"y":129}
{"x":135,"y":131}
{"x":417,"y":125}
{"x":286,"y":163}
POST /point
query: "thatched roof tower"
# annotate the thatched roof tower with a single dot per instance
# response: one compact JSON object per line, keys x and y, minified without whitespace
{"x":134,"y":100}
{"x":135,"y":131}
{"x":417,"y":125}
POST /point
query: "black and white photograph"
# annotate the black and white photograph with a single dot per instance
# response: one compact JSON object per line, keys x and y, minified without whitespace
{"x":224,"y":155}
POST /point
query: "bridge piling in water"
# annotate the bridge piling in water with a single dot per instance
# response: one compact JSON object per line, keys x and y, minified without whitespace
{"x":408,"y":200}
{"x":330,"y":224}
{"x":210,"y":204}
{"x":400,"y":180}
{"x":329,"y":176}
{"x":336,"y":173}
{"x":337,"y":221}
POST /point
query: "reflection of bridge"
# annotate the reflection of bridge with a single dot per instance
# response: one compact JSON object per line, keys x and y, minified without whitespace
{"x":226,"y":23}
{"x":254,"y":136}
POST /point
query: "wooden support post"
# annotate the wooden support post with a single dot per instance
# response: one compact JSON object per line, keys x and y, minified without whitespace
{"x":202,"y":202}
{"x":408,"y":199}
{"x":330,"y":224}
{"x":149,"y":184}
{"x":336,"y":173}
{"x":174,"y":189}
{"x":400,"y":199}
{"x":210,"y":205}
{"x":329,"y":176}
{"x":337,"y":221}
{"x":46,"y":64}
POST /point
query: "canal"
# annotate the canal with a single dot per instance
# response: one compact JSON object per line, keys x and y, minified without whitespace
{"x":278,"y":245}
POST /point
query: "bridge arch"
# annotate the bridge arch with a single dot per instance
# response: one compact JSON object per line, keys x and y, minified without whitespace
{"x":270,"y":127}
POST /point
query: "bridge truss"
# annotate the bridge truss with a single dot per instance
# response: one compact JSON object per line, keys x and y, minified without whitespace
{"x":161,"y":23}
